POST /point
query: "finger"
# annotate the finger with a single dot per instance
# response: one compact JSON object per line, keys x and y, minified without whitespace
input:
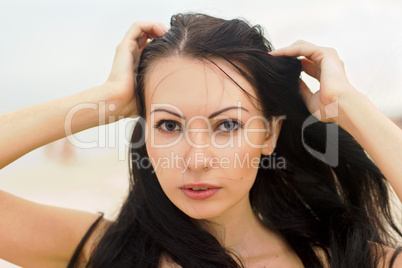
{"x":146,"y":44}
{"x":308,"y":50}
{"x":137,"y":59}
{"x":310,"y":68}
{"x":145,"y":27}
{"x":163,"y":26}
{"x":305,"y":92}
{"x":134,"y":40}
{"x":141,"y":41}
{"x":298,"y":48}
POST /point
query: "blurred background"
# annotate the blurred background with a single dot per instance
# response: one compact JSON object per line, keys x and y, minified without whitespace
{"x":52,"y":49}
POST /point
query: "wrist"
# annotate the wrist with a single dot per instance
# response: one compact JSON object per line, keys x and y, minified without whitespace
{"x":104,"y":105}
{"x":352,"y":111}
{"x":118,"y":105}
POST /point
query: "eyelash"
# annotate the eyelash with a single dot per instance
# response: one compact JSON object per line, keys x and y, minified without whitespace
{"x":160,"y":122}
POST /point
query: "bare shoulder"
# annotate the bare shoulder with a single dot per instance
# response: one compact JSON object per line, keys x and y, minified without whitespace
{"x":100,"y":229}
{"x":38,"y":235}
{"x":389,"y":255}
{"x":386,"y":253}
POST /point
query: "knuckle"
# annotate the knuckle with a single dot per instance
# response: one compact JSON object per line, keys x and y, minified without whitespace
{"x":136,"y":24}
{"x":319,"y":54}
{"x":322,"y":51}
{"x":299,"y":42}
{"x":330,"y":50}
{"x":126,"y":45}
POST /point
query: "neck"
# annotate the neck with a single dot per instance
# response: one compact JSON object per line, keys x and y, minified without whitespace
{"x":239,"y":230}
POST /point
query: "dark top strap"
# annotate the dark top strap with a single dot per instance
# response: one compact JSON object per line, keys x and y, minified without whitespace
{"x":75,"y":257}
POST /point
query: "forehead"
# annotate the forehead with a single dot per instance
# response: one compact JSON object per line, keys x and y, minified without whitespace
{"x":196,"y":86}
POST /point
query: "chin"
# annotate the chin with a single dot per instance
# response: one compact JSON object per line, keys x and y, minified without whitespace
{"x":202,"y":214}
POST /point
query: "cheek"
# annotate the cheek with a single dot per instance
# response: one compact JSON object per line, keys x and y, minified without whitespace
{"x":239,"y":164}
{"x":247,"y":147}
{"x":168,"y":166}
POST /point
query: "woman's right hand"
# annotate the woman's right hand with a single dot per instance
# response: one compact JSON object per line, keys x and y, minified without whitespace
{"x":70,"y":115}
{"x":119,"y":87}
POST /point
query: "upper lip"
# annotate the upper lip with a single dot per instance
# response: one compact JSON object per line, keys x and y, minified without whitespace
{"x":198,"y":185}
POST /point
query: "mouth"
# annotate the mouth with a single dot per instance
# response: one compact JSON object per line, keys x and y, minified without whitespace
{"x":199,"y":186}
{"x":199,"y":191}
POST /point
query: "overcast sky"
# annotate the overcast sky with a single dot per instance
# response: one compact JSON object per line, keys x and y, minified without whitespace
{"x":51,"y":49}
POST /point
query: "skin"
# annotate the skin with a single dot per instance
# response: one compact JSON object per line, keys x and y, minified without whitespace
{"x":182,"y":83}
{"x":210,"y":90}
{"x":35,"y":235}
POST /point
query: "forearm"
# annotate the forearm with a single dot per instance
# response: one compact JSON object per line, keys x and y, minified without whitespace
{"x":29,"y":128}
{"x":376,"y":133}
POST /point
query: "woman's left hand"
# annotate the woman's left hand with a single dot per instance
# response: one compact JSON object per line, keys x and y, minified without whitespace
{"x":325,"y":65}
{"x":379,"y":136}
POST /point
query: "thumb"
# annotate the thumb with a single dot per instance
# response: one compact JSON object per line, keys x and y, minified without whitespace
{"x":305,"y":92}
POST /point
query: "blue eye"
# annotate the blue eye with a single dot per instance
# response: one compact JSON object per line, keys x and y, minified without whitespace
{"x":167,"y":126}
{"x":170,"y":126}
{"x":229,"y":125}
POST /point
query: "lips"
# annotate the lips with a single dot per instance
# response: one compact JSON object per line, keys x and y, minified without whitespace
{"x":199,"y":186}
{"x":199,"y":191}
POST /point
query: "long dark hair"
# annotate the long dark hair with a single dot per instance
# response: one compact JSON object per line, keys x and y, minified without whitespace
{"x":342,"y":209}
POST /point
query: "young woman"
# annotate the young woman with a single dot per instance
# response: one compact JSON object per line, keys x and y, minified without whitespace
{"x":241,"y":174}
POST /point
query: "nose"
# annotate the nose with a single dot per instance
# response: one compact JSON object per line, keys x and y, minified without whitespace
{"x":199,"y":152}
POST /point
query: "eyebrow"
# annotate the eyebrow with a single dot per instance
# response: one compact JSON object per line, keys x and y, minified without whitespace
{"x":209,"y":117}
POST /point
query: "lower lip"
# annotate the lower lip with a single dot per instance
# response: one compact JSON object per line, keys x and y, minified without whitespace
{"x":200,"y":195}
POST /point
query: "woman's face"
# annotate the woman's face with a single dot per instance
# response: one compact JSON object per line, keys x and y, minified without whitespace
{"x":202,"y":129}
